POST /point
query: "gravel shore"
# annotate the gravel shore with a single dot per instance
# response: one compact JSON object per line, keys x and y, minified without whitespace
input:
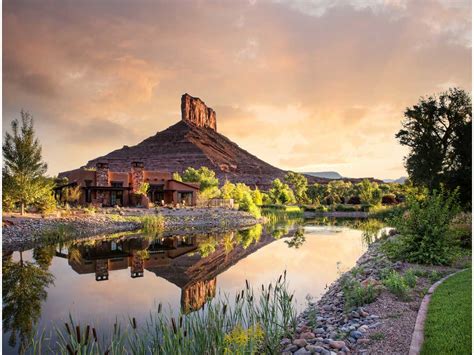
{"x":25,"y":232}
{"x":382,"y":327}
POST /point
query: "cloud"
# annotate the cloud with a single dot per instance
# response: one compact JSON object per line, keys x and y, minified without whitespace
{"x":296,"y":83}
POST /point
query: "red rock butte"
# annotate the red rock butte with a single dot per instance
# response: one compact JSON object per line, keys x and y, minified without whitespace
{"x":195,"y":142}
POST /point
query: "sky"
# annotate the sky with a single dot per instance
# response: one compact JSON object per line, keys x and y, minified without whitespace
{"x":306,"y":85}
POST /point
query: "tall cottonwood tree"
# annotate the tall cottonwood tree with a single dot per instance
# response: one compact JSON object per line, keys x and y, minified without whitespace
{"x":23,"y":168}
{"x":438,"y":132}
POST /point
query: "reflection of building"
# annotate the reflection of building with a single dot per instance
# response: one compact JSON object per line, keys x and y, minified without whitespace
{"x":174,"y":258}
{"x":109,"y":188}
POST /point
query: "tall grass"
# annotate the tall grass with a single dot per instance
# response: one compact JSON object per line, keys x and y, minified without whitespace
{"x":252,"y":324}
{"x":152,"y":223}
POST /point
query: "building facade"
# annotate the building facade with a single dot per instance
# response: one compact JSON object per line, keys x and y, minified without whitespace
{"x":106,"y":188}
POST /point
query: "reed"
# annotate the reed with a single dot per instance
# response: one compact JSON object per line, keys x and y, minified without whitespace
{"x":250,"y":324}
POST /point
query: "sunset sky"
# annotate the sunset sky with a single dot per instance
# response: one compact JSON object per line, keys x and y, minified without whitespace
{"x":304,"y":85}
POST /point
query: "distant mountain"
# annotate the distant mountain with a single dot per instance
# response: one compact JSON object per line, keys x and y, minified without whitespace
{"x":400,"y":180}
{"x":326,"y":174}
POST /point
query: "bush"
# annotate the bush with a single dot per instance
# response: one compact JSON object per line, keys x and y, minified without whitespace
{"x":426,"y":233}
{"x":355,"y":294}
{"x":396,"y":284}
{"x":347,"y":208}
{"x":410,"y":278}
{"x":153,"y":224}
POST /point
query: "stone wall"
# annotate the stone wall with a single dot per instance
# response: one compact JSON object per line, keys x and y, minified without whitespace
{"x":195,"y":111}
{"x":137,"y":175}
{"x":102,"y":174}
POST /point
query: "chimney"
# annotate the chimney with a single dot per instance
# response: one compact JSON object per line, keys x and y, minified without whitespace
{"x":102,"y":174}
{"x":137,"y":174}
{"x":195,"y":111}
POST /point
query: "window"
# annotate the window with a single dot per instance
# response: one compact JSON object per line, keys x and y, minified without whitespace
{"x":117,"y":183}
{"x":185,"y":197}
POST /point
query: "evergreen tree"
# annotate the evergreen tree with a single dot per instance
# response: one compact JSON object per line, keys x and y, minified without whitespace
{"x":23,"y":169}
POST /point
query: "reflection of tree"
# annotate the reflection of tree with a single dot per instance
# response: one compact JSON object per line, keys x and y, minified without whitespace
{"x":208,"y":246}
{"x":228,"y":242}
{"x":24,"y":285}
{"x":249,"y":236}
{"x":44,"y":256}
{"x":297,"y":239}
{"x":370,"y":229}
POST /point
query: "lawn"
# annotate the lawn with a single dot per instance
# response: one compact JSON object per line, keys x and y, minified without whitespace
{"x":448,"y":327}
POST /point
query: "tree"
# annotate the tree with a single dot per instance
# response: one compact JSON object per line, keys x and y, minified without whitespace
{"x":369,"y":192}
{"x":177,"y":177}
{"x":299,"y":185}
{"x":281,"y":193}
{"x":227,"y":190}
{"x":316,"y":193}
{"x":437,"y":131}
{"x":208,"y":182}
{"x":23,"y":170}
{"x":339,"y":190}
{"x":143,"y":188}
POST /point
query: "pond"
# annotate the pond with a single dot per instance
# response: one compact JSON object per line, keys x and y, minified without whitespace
{"x":101,"y":280}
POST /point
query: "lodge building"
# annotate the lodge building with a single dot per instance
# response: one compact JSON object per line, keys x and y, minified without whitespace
{"x":105,"y":188}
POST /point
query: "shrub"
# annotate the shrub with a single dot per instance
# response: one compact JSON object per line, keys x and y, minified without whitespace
{"x":396,"y":284}
{"x":355,"y":294}
{"x":346,"y":208}
{"x":410,"y":278}
{"x":426,"y":234}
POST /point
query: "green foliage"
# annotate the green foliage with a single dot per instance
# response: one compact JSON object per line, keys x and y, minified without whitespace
{"x":247,"y":204}
{"x":316,"y":193}
{"x":227,"y":190}
{"x":369,"y":192}
{"x":23,"y":169}
{"x":299,"y":185}
{"x":254,"y":323}
{"x":176,"y":176}
{"x":204,"y":176}
{"x":143,"y":188}
{"x":410,"y":278}
{"x":399,"y":285}
{"x":257,"y":196}
{"x":427,"y":236}
{"x":448,"y":325}
{"x":356,"y":294}
{"x":437,"y":130}
{"x":281,"y":193}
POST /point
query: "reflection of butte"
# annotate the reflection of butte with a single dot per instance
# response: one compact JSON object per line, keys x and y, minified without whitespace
{"x":170,"y":258}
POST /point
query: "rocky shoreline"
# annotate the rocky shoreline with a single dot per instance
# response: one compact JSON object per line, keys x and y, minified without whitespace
{"x":384,"y":326}
{"x":20,"y":233}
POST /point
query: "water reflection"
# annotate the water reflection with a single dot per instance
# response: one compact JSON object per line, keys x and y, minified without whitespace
{"x":181,"y":266}
{"x":24,"y":289}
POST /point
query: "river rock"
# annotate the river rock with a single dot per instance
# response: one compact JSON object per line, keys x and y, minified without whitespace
{"x":301,"y":343}
{"x":337,"y":344}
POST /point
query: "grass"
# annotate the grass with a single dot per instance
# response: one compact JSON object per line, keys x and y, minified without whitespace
{"x":448,"y":327}
{"x":253,"y":324}
{"x":355,"y":294}
{"x":377,"y":336}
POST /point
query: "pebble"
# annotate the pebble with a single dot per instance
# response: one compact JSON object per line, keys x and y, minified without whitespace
{"x":301,"y":343}
{"x":307,"y":335}
{"x":302,"y":351}
{"x":356,"y":334}
{"x":337,"y":344}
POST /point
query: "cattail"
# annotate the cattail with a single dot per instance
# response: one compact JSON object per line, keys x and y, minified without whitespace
{"x":173,"y":323}
{"x":284,"y":274}
{"x":67,"y":328}
{"x":115,"y":328}
{"x":78,"y":333}
{"x":247,"y":284}
{"x":69,"y":349}
{"x":159,"y":308}
{"x":88,"y":328}
{"x":185,"y":333}
{"x":238,"y":298}
{"x":279,"y":279}
{"x":268,"y":296}
{"x":94,"y":333}
{"x":224,"y":309}
{"x":107,"y":352}
{"x":134,"y":323}
{"x":263,"y":288}
{"x":180,"y":321}
{"x":242,"y":294}
{"x":291,"y":298}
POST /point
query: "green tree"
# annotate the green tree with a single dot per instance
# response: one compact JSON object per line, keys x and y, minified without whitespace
{"x":281,"y":193}
{"x":299,"y":184}
{"x":227,"y":190}
{"x":257,"y":196}
{"x":177,"y":177}
{"x":143,"y":188}
{"x":316,"y":193}
{"x":208,"y":182}
{"x":339,"y":191}
{"x":369,"y":192}
{"x":23,"y":169}
{"x":437,"y":130}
